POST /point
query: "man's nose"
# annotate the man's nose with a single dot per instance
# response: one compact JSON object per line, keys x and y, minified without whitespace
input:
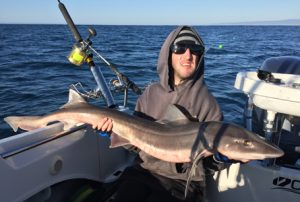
{"x":188,"y":53}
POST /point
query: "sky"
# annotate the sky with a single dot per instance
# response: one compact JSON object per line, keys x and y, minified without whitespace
{"x":148,"y":12}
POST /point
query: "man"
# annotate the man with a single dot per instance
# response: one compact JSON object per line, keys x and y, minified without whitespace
{"x":180,"y":68}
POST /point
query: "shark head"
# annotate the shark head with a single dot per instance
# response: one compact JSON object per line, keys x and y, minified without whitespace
{"x":236,"y":142}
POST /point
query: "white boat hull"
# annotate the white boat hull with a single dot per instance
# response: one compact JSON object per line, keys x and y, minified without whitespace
{"x":254,"y":182}
{"x":82,"y":154}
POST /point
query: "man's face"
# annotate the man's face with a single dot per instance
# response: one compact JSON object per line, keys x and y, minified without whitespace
{"x":184,"y":65}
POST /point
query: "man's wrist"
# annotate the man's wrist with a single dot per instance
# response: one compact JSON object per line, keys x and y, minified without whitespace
{"x":218,"y":157}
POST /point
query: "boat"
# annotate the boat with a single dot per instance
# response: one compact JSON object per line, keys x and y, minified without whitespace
{"x":53,"y":164}
{"x":272,"y":111}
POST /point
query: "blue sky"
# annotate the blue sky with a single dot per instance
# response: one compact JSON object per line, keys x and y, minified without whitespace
{"x":149,"y":12}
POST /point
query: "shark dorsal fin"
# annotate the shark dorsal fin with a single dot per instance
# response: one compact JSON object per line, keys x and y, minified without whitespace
{"x":74,"y":98}
{"x":174,"y":115}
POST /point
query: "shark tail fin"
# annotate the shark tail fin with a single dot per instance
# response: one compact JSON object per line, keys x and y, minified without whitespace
{"x":24,"y":122}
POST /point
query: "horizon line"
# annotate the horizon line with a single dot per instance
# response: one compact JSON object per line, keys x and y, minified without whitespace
{"x":284,"y":22}
{"x":217,"y":24}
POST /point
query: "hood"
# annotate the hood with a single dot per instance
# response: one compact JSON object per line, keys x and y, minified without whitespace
{"x":164,"y":61}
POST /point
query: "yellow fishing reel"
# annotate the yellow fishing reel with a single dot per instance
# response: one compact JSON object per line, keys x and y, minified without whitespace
{"x":78,"y":54}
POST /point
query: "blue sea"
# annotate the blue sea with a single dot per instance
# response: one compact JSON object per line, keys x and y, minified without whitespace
{"x":35,"y":74}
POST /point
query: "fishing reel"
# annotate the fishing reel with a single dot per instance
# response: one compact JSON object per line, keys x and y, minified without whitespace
{"x":80,"y":52}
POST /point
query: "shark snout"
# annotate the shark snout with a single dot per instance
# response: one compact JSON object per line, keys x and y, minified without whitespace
{"x":263,"y":150}
{"x":272,"y":151}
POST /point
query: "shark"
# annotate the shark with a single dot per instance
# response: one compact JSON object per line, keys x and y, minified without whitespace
{"x":175,"y":138}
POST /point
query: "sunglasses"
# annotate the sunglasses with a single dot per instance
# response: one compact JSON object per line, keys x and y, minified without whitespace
{"x":181,"y":48}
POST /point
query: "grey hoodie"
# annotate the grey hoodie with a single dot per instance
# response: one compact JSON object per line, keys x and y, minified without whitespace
{"x":192,"y":95}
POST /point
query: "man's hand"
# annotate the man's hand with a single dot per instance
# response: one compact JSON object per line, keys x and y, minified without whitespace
{"x":105,"y":125}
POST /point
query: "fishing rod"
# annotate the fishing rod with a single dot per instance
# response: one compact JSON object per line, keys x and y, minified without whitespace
{"x":81,"y":53}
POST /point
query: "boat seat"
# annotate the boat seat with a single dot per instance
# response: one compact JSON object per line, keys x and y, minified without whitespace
{"x":282,"y":64}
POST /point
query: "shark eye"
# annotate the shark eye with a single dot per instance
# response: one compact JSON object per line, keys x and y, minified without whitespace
{"x":247,"y":143}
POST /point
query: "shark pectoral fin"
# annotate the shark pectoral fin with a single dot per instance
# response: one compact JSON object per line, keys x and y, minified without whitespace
{"x":117,"y":141}
{"x":192,"y":171}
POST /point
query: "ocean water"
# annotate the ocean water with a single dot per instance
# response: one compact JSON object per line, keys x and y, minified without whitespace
{"x":35,"y":74}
